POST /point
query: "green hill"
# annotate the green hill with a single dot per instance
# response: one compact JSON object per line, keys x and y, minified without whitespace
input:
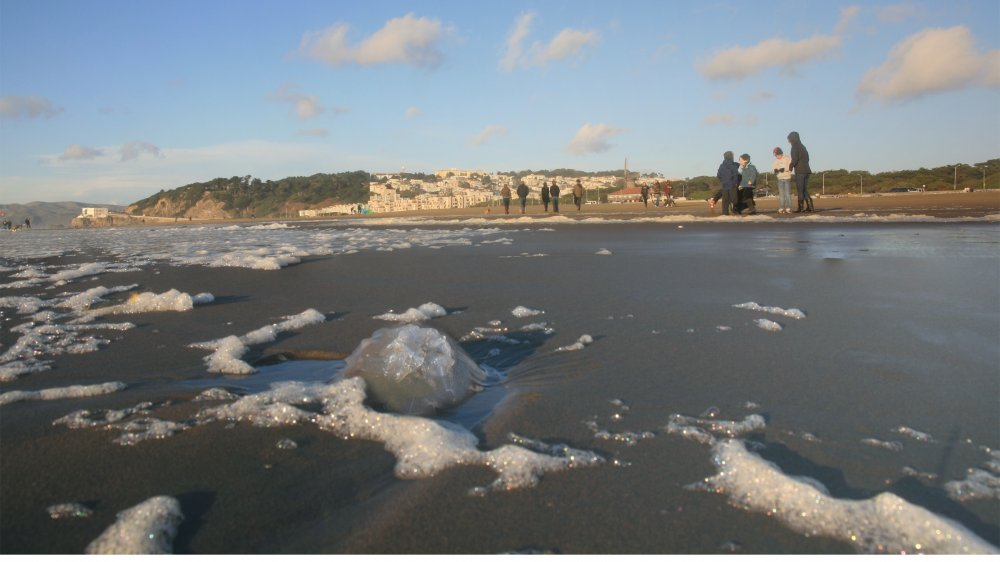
{"x":247,"y":196}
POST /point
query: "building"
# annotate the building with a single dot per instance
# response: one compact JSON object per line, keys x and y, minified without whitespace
{"x":94,"y":212}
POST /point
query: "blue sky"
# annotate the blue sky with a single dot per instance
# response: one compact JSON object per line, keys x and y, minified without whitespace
{"x":110,"y":101}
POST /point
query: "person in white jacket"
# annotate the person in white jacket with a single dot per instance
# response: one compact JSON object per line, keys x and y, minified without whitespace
{"x":781,"y":165}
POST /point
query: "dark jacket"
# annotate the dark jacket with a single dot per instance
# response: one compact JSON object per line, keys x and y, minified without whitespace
{"x":545,"y":192}
{"x":728,"y":173}
{"x":799,"y":155}
{"x":522,"y":191}
{"x":554,"y":190}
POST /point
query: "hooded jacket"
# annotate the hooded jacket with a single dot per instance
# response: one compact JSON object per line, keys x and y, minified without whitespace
{"x":728,"y":172}
{"x":800,"y":156}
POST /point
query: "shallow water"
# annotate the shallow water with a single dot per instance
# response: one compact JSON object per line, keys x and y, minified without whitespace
{"x":886,"y":382}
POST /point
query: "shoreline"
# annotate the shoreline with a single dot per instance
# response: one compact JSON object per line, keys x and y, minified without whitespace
{"x":938,"y":204}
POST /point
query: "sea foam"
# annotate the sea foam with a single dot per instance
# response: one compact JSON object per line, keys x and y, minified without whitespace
{"x":883,"y":524}
{"x":147,"y":528}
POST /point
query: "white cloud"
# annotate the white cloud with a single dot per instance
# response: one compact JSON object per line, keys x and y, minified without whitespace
{"x":568,"y":43}
{"x":30,"y":107}
{"x":847,"y":16}
{"x":407,"y":40}
{"x":592,"y":138}
{"x":133,"y":149}
{"x":928,"y":62}
{"x":897,"y":12}
{"x":488,"y":133}
{"x":319,"y":133}
{"x":729,"y":120}
{"x":515,"y":41}
{"x":304,"y":106}
{"x":79,"y":152}
{"x":740,"y":62}
{"x":413,"y":112}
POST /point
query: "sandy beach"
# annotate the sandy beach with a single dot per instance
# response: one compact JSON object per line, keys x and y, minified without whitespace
{"x":884,"y":383}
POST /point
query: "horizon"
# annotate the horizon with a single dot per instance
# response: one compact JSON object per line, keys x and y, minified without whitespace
{"x":249,"y":88}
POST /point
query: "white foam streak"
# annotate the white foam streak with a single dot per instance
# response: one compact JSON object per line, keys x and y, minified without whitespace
{"x":168,"y":301}
{"x":74,"y":391}
{"x":789,"y":312}
{"x":883,"y":524}
{"x":422,"y":313}
{"x":147,"y":528}
{"x":581,"y":343}
{"x":227,"y":352}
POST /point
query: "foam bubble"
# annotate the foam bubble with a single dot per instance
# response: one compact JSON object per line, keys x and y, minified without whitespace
{"x":414,"y":370}
{"x":524,"y":312}
{"x":72,"y":510}
{"x":147,"y":528}
{"x":769,"y":325}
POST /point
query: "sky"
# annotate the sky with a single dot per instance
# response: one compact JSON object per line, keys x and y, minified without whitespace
{"x":108,"y":101}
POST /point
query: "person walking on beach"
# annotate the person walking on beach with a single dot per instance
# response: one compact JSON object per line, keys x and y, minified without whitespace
{"x":748,"y":182}
{"x":800,"y":166}
{"x":545,"y":196}
{"x":505,"y":195}
{"x":554,"y":191}
{"x":783,"y":171}
{"x":728,"y":174}
{"x":644,"y":191}
{"x":578,"y":194}
{"x":522,"y":194}
{"x":27,"y":223}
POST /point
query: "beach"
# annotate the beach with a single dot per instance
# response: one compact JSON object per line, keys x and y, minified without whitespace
{"x":658,"y":382}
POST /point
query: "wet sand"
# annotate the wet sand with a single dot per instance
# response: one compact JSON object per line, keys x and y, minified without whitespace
{"x":894,"y":311}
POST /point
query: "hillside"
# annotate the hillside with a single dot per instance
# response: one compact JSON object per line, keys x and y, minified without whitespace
{"x":48,"y":215}
{"x":246,"y":196}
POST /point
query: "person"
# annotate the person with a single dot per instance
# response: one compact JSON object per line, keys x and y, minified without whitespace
{"x":783,"y":171}
{"x":800,"y":167}
{"x":668,"y":200}
{"x":545,"y":196}
{"x":27,"y":223}
{"x":644,"y":190}
{"x":728,"y":174}
{"x":578,"y":194}
{"x":748,"y":182}
{"x":522,"y":194}
{"x":554,"y":191}
{"x":505,"y":195}
{"x":657,"y":193}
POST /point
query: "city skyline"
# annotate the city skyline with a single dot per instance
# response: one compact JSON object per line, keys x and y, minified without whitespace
{"x":111,"y":101}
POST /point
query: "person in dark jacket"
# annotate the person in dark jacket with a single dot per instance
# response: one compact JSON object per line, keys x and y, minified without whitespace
{"x":800,"y":166}
{"x":522,"y":194}
{"x":545,"y":196}
{"x":554,"y":192}
{"x":728,"y":174}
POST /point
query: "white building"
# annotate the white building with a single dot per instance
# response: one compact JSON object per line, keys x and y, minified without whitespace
{"x":94,"y":212}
